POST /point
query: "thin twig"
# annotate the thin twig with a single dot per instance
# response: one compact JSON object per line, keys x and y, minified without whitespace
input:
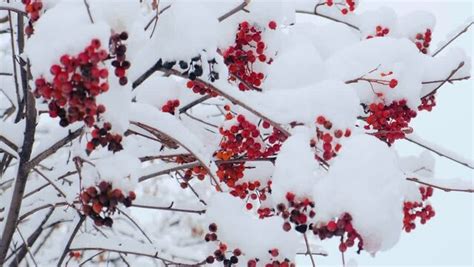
{"x":71,"y":238}
{"x":136,"y":225}
{"x":452,"y":39}
{"x":89,"y":11}
{"x":328,"y":17}
{"x":169,"y":208}
{"x":446,"y":80}
{"x":234,"y":10}
{"x":445,"y":189}
{"x":308,"y":250}
{"x":439,"y":153}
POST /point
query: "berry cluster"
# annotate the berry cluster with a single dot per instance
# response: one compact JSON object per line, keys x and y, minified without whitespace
{"x":298,"y":212}
{"x":427,"y":103}
{"x":251,"y":190}
{"x":345,"y":6}
{"x":243,"y":138}
{"x":220,"y":253}
{"x":390,"y":122}
{"x":342,"y":227}
{"x":413,"y":210}
{"x":379,"y":32}
{"x":247,"y":50}
{"x":330,"y":144}
{"x":423,"y":40}
{"x":197,"y":171}
{"x":77,"y":81}
{"x":100,"y":202}
{"x":230,"y":258}
{"x":200,"y":88}
{"x":117,"y":51}
{"x":170,"y":106}
{"x":32,"y":8}
{"x":102,"y":136}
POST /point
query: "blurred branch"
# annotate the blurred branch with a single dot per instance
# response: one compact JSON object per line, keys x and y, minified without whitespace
{"x":234,"y":10}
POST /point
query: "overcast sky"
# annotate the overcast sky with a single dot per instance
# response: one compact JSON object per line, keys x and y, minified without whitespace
{"x":447,"y":240}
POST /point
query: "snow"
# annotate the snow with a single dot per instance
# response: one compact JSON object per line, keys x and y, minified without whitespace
{"x":235,"y":226}
{"x":363,"y":181}
{"x":312,"y":74}
{"x":295,"y":167}
{"x":47,"y":46}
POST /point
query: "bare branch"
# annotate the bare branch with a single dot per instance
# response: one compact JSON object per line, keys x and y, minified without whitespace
{"x":234,"y":10}
{"x":71,"y":238}
{"x":88,"y":11}
{"x":446,"y":80}
{"x":51,"y":150}
{"x":328,"y":17}
{"x":452,"y":39}
{"x":20,"y":183}
{"x":440,"y":153}
{"x":446,"y":189}
{"x":169,"y":208}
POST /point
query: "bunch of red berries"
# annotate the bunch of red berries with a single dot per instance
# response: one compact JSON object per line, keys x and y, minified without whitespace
{"x":243,"y":138}
{"x":379,"y":32}
{"x":342,"y":227}
{"x":298,"y":213}
{"x":423,"y":40}
{"x":101,"y":202}
{"x":413,"y":210}
{"x":220,"y":253}
{"x":32,"y":8}
{"x":330,"y":144}
{"x":252,"y":190}
{"x":347,"y":5}
{"x":77,"y":81}
{"x":102,"y":136}
{"x":427,"y":103}
{"x":197,"y":171}
{"x":200,"y":88}
{"x":247,"y":50}
{"x":117,"y":51}
{"x":170,"y":106}
{"x":390,"y":122}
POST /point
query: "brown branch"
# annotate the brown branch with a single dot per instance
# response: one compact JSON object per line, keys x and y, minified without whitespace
{"x":328,"y":17}
{"x":88,"y":11}
{"x":124,"y":251}
{"x":170,"y":170}
{"x":12,"y":8}
{"x":8,"y":143}
{"x":445,"y":189}
{"x":308,"y":250}
{"x":51,"y":150}
{"x":446,"y":80}
{"x":439,"y":153}
{"x":234,"y":10}
{"x":31,"y":240}
{"x":157,"y":132}
{"x":158,"y":67}
{"x":136,"y":225}
{"x":452,"y":39}
{"x":71,"y":238}
{"x":169,"y":208}
{"x":193,"y":103}
{"x":449,"y":80}
{"x":20,"y":183}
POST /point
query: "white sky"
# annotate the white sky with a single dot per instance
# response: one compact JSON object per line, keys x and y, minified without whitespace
{"x":446,"y":240}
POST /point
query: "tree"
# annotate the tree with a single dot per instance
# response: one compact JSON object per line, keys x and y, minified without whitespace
{"x":238,"y":135}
